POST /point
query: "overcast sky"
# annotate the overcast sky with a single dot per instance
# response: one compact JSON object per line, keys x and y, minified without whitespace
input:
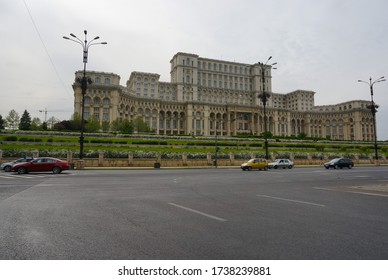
{"x":323,"y":45}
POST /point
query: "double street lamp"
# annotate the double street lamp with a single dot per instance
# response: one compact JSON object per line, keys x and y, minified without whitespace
{"x":264,"y":96}
{"x":84,"y":81}
{"x":373,"y":107}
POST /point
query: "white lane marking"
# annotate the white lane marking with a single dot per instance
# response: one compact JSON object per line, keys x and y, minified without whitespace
{"x":292,"y":200}
{"x":375,"y":194}
{"x":352,"y":191}
{"x":21,"y":176}
{"x":198,"y":212}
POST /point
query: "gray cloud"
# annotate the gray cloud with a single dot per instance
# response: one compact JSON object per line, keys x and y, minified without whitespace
{"x":323,"y":45}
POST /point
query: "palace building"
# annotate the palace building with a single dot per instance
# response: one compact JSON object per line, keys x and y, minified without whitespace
{"x":215,"y":97}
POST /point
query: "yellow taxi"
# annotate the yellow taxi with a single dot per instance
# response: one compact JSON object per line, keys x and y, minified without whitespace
{"x":255,"y":163}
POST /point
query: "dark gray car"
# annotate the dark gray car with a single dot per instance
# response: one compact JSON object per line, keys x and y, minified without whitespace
{"x":339,"y":163}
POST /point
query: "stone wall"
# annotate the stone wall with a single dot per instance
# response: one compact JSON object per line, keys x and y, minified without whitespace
{"x":101,"y":161}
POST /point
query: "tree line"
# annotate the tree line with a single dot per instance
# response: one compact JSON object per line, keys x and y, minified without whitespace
{"x":13,"y":122}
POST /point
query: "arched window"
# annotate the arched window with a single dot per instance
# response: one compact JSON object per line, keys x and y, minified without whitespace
{"x":97,"y":80}
{"x":107,"y":81}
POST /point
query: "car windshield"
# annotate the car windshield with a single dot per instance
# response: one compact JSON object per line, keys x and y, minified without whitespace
{"x":251,"y":160}
{"x":334,"y":160}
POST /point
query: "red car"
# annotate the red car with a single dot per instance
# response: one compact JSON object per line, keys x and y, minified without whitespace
{"x":41,"y":165}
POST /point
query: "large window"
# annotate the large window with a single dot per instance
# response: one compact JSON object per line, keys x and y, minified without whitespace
{"x":105,"y":115}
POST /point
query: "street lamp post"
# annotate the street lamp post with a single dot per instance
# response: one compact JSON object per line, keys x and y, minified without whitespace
{"x":84,"y":81}
{"x":264,"y":96}
{"x":373,"y":107}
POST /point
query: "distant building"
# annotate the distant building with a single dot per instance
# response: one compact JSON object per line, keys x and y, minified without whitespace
{"x":209,"y":97}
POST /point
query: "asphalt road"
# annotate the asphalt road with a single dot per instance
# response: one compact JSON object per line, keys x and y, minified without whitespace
{"x":303,"y":213}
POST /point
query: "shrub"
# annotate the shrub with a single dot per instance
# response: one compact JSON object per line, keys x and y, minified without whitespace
{"x":149,"y":142}
{"x":53,"y":153}
{"x":115,"y":154}
{"x":300,"y":156}
{"x":196,"y":156}
{"x":282,"y":155}
{"x":220,"y":156}
{"x":171,"y":156}
{"x":143,"y":154}
{"x":10,"y":138}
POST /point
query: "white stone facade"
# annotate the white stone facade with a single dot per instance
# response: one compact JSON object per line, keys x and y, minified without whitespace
{"x":209,"y":97}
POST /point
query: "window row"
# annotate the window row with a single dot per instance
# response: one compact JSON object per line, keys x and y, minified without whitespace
{"x":97,"y":100}
{"x":97,"y":81}
{"x":139,"y":78}
{"x":224,"y":68}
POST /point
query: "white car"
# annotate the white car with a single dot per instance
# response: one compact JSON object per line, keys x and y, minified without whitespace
{"x":281,"y":163}
{"x":7,"y":166}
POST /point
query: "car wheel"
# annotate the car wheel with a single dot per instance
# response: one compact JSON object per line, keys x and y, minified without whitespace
{"x":249,"y":168}
{"x":275,"y":167}
{"x":350,"y":166}
{"x":22,"y":170}
{"x":8,"y":168}
{"x":57,"y":170}
{"x":290,"y":166}
{"x":335,"y":166}
{"x":327,"y":167}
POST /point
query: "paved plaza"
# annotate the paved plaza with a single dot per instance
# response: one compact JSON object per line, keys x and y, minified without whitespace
{"x":302,"y":213}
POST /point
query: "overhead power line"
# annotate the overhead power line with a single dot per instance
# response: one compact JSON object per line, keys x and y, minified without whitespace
{"x":44,"y":46}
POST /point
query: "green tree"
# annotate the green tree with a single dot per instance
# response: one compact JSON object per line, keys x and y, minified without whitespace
{"x":267,"y":134}
{"x":140,"y":126}
{"x":13,"y":120}
{"x":76,"y":122}
{"x":105,"y":126}
{"x":25,"y":121}
{"x":2,"y":122}
{"x":122,"y":126}
{"x":44,"y":125}
{"x":302,"y":135}
{"x":115,"y":125}
{"x":92,"y":125}
{"x":126,"y":127}
{"x":36,"y":124}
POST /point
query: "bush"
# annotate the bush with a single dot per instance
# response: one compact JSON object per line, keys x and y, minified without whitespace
{"x":149,"y":142}
{"x":10,"y":138}
{"x":100,"y":141}
{"x":24,"y":139}
{"x":196,"y":156}
{"x":143,"y":154}
{"x":115,"y":154}
{"x":171,"y":156}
